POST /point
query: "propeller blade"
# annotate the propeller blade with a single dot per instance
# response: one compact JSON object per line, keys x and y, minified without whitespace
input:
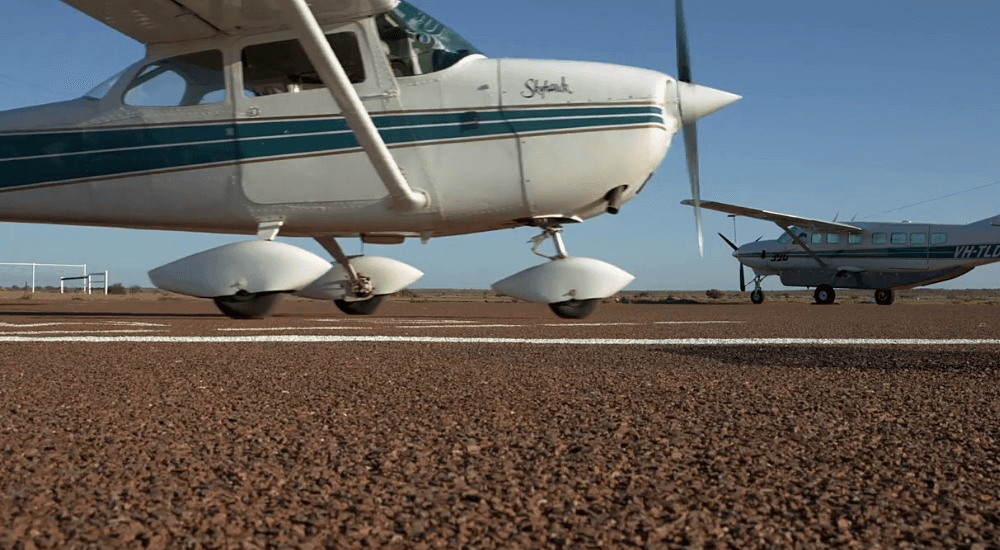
{"x":690,"y":130}
{"x":743,"y":280}
{"x":729,"y":242}
{"x":691,"y":152}
{"x":683,"y":53}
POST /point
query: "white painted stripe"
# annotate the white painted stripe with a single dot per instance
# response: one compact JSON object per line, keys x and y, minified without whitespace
{"x":265,"y":329}
{"x":699,"y":322}
{"x":105,"y":323}
{"x":300,"y":338}
{"x":78,"y":332}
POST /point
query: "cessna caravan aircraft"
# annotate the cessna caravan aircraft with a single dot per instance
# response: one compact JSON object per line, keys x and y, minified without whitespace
{"x":881,"y":256}
{"x":363,"y":119}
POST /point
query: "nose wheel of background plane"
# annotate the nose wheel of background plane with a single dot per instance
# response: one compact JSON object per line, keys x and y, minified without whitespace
{"x":884,"y":297}
{"x":825,"y":295}
{"x":757,"y":296}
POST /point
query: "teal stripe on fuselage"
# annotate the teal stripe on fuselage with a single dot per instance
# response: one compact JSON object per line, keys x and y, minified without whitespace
{"x":910,"y":253}
{"x":15,"y":146}
{"x":159,"y":148}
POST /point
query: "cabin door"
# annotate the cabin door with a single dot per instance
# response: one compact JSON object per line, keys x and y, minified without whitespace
{"x":294,"y":142}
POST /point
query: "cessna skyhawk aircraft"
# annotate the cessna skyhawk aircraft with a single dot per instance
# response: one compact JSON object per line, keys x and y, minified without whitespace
{"x":362,"y":119}
{"x":882,"y":256}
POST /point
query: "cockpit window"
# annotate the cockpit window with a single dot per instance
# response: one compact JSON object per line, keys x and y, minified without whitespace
{"x":416,"y":43}
{"x":102,"y":89}
{"x":282,"y":67}
{"x":190,"y":79}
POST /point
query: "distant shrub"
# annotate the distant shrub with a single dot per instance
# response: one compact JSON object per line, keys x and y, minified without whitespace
{"x":715,"y":294}
{"x":135,"y":289}
{"x":117,"y":288}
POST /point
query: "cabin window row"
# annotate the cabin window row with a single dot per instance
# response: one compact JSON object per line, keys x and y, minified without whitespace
{"x":918,"y":238}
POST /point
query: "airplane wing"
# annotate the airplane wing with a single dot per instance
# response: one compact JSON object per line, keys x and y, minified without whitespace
{"x":782,"y":220}
{"x":159,"y":21}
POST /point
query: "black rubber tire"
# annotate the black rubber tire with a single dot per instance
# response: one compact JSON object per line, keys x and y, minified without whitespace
{"x":248,"y":306}
{"x":757,"y":296}
{"x":361,"y":307}
{"x":884,"y":297}
{"x":574,"y":309}
{"x":825,"y":295}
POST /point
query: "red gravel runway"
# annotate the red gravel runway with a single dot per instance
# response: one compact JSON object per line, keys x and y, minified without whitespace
{"x":451,"y":425}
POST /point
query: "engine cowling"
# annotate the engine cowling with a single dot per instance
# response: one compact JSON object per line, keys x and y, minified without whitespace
{"x":245,"y":267}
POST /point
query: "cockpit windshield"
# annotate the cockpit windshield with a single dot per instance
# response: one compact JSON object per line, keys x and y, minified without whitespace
{"x":416,"y":43}
{"x":103,"y":88}
{"x":785,"y":237}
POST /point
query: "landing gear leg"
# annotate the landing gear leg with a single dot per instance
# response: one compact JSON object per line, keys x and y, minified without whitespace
{"x":884,"y":297}
{"x":361,"y":300}
{"x":757,"y":295}
{"x":570,"y":309}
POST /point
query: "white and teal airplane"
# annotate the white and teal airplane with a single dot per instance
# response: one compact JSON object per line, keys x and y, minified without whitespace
{"x":343,"y":119}
{"x":881,"y":256}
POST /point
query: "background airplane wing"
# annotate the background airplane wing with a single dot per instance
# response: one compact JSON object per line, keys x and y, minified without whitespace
{"x":158,"y":21}
{"x":776,"y":217}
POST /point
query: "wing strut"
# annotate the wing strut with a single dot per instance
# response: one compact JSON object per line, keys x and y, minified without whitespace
{"x":314,"y":42}
{"x":799,"y":242}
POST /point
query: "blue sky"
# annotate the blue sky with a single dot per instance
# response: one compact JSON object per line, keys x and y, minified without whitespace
{"x":850,"y":108}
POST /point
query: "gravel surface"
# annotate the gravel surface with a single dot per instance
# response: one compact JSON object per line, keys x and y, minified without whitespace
{"x":360,"y":445}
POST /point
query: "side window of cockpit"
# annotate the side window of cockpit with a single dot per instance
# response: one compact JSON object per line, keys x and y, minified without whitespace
{"x":282,"y":67}
{"x":853,"y":238}
{"x":878,"y":238}
{"x":784,"y":238}
{"x":939,"y":238}
{"x":182,"y":81}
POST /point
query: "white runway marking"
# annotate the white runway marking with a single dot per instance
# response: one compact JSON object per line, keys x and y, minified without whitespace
{"x":265,"y":329}
{"x":102,"y":323}
{"x":524,"y":341}
{"x":37,"y":332}
{"x":699,"y":322}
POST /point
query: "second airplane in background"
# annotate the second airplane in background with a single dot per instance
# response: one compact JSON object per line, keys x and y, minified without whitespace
{"x":881,"y":256}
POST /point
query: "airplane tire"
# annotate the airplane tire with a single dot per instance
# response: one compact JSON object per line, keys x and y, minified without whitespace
{"x":248,"y":306}
{"x":362,"y":307}
{"x":757,"y":296}
{"x":825,"y":295}
{"x":574,"y":309}
{"x":884,"y":297}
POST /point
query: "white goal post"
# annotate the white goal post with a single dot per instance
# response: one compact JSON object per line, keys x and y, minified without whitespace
{"x":35,"y":265}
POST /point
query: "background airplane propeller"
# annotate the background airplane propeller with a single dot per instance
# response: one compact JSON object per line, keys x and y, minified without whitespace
{"x":743,"y":280}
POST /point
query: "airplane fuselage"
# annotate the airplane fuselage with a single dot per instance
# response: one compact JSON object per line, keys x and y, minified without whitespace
{"x":882,"y":256}
{"x":491,"y":142}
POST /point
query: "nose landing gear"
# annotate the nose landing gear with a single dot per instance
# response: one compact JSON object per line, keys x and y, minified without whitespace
{"x":884,"y":297}
{"x":572,"y":287}
{"x":825,"y":295}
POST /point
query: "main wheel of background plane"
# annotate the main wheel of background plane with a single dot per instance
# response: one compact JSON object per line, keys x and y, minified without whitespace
{"x":574,"y":309}
{"x":248,"y":306}
{"x":884,"y":297}
{"x":361,"y":307}
{"x":757,"y":296}
{"x":824,"y":295}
